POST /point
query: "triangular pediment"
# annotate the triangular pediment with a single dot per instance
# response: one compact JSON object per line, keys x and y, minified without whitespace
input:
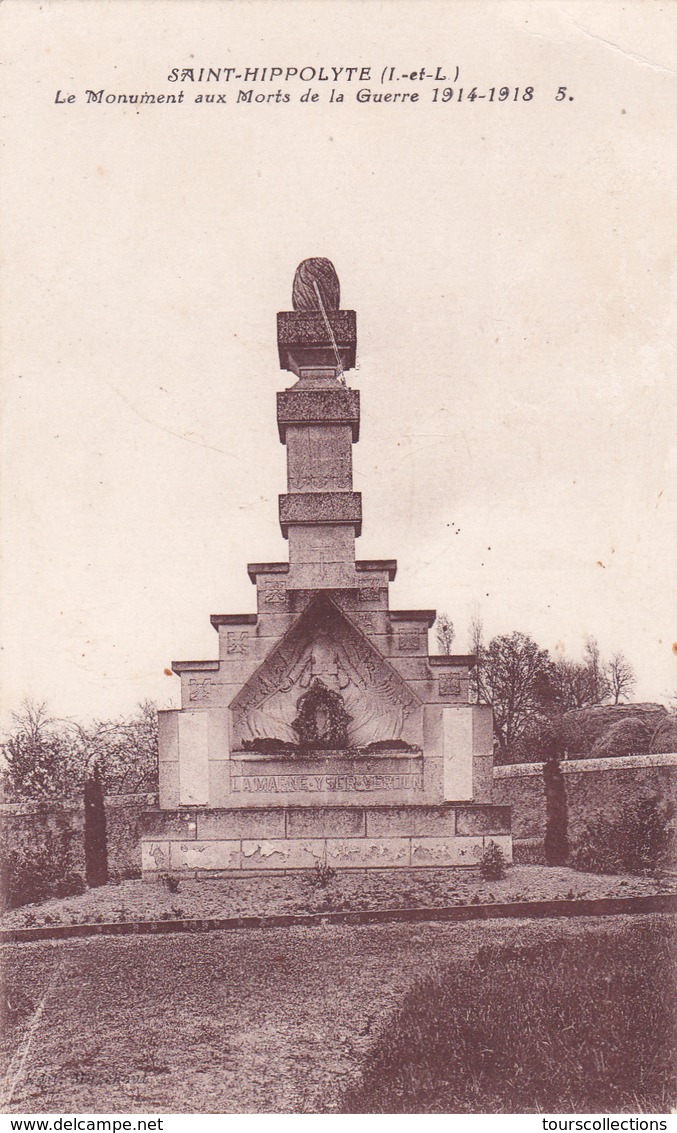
{"x":324,"y":649}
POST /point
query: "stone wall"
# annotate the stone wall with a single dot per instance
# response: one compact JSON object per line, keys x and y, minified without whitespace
{"x":203,"y":842}
{"x":606,"y":785}
{"x":27,"y":823}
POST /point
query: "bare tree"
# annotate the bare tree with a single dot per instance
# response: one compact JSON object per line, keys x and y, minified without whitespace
{"x":517,"y":676}
{"x":620,"y":676}
{"x":572,"y":683}
{"x":45,"y":757}
{"x":125,"y":750}
{"x":598,"y":682}
{"x":37,"y":759}
{"x":578,"y":684}
{"x":478,"y":691}
{"x":445,"y":633}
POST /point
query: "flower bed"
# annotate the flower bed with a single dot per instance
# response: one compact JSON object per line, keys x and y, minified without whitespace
{"x":310,"y":893}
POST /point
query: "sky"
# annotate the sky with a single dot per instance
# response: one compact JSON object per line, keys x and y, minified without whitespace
{"x":511,"y":263}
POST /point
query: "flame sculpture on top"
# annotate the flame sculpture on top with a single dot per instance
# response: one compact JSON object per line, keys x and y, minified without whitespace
{"x":317,"y":334}
{"x":316,"y":285}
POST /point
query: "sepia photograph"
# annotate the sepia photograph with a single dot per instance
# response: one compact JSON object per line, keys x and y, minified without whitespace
{"x":338,"y":715}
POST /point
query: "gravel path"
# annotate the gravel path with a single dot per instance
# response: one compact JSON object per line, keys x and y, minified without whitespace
{"x":268,"y":1021}
{"x":300,"y":893}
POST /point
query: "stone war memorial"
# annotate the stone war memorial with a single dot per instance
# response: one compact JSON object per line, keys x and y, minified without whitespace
{"x":325,"y":733}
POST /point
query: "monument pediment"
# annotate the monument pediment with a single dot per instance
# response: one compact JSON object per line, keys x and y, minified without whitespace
{"x":325,"y":686}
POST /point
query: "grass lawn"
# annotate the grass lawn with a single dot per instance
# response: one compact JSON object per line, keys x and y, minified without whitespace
{"x":582,"y":1025}
{"x":292,"y":1020}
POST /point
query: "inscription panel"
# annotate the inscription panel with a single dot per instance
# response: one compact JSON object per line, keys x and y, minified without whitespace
{"x":321,"y":784}
{"x":458,"y":758}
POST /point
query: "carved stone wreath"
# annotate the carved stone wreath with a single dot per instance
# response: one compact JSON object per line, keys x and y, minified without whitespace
{"x":322,"y":720}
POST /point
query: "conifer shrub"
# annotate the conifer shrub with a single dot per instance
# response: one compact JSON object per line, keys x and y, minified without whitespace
{"x":556,"y":816}
{"x":493,"y":864}
{"x":96,"y":844}
{"x":641,"y":840}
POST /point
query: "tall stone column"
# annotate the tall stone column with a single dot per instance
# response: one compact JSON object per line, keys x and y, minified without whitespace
{"x":319,"y":421}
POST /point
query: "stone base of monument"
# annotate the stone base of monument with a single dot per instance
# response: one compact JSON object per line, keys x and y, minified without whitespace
{"x":213,"y":843}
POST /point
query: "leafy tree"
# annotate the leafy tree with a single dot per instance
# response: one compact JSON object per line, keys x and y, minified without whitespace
{"x":626,"y":737}
{"x":620,"y":677}
{"x":542,"y":738}
{"x":445,"y":633}
{"x":581,"y":684}
{"x":529,"y":691}
{"x":664,"y":737}
{"x":592,"y":682}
